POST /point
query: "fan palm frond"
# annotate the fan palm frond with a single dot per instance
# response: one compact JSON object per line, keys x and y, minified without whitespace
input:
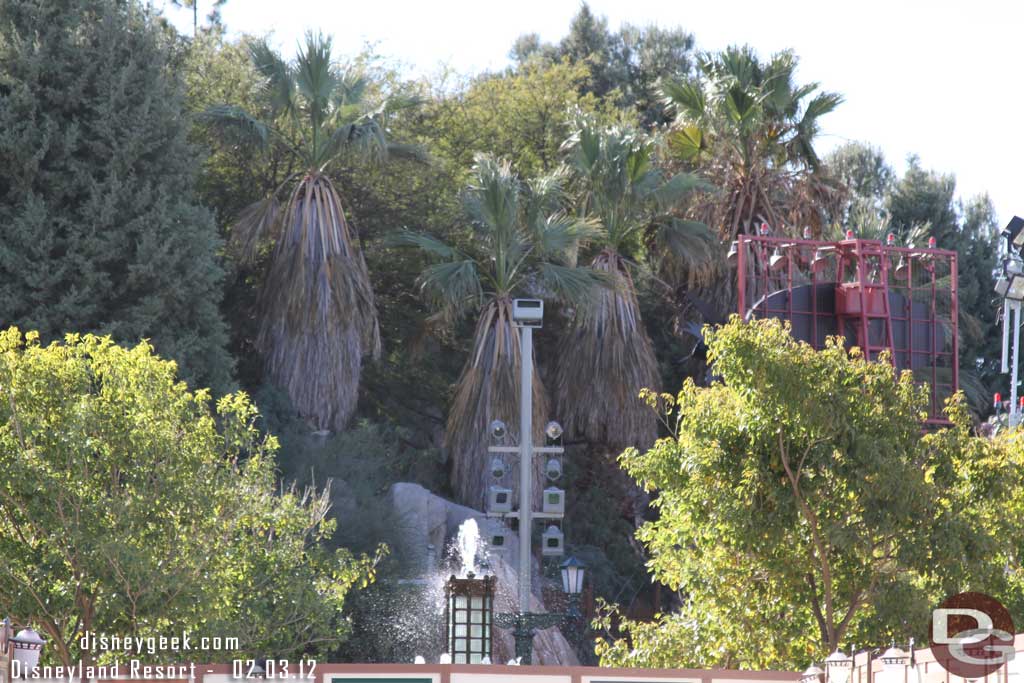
{"x":427,"y":243}
{"x":237,"y":126}
{"x":689,"y":252}
{"x":317,"y":303}
{"x":670,"y":194}
{"x":686,"y":97}
{"x":316,"y":78}
{"x":606,"y":359}
{"x":558,"y":236}
{"x":258,"y":224}
{"x":453,"y":287}
{"x":280,"y":82}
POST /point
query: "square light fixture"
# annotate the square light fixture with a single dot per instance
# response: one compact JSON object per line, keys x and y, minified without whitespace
{"x":1014,"y":232}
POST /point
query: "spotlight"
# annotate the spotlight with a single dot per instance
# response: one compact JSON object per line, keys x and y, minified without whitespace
{"x":498,"y":429}
{"x":734,"y":253}
{"x":553,"y":430}
{"x":901,"y":269}
{"x":1015,"y":276}
{"x":553,"y":470}
{"x":497,"y":467}
{"x":1014,"y":232}
{"x":1002,"y":284}
{"x":777,"y":261}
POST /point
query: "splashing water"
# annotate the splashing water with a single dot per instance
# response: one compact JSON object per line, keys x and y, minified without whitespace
{"x":468,"y":543}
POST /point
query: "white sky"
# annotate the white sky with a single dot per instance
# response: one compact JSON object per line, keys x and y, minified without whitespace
{"x":940,"y":79}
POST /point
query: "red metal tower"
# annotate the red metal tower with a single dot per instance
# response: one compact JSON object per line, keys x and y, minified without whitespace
{"x":879,"y":297}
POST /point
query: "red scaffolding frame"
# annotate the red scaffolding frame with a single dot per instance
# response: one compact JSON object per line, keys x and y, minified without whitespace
{"x":877,"y":296}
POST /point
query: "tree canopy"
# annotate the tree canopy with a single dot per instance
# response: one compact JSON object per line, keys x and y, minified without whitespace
{"x":613,"y":153}
{"x":129,"y":506}
{"x":801,"y":508}
{"x":102,"y":227}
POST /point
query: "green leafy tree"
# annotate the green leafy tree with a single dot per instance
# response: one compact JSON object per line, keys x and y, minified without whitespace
{"x":801,"y":508}
{"x":590,"y":41}
{"x":606,"y":358}
{"x":317,"y":313}
{"x":520,"y":242}
{"x":130,"y":507}
{"x":648,"y":55}
{"x":522,"y":117}
{"x":101,"y":227}
{"x":868,"y":179}
{"x":750,"y":129}
{"x":624,"y":67}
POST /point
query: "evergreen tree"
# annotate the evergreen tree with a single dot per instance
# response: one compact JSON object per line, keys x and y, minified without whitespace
{"x":98,"y":223}
{"x":590,"y":40}
{"x":926,"y":198}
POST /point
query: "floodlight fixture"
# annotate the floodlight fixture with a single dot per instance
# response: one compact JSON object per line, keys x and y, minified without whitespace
{"x":1014,"y":232}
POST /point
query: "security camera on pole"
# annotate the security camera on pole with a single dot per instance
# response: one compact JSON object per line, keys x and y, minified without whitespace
{"x":528,"y":314}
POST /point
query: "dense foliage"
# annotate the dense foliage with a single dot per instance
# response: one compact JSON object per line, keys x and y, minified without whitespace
{"x":100,"y":223}
{"x":622,"y":156}
{"x":801,"y":508}
{"x":132,"y":508}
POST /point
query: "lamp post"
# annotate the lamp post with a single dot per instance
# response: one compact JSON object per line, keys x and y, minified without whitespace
{"x":25,"y":649}
{"x":573,"y":572}
{"x":894,"y":663}
{"x":813,"y":674}
{"x":469,"y":609}
{"x":528,"y":314}
{"x":838,"y":667}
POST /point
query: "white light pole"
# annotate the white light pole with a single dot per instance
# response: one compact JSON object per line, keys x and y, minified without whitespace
{"x":525,"y":461}
{"x":1010,"y":286}
{"x":528,"y":314}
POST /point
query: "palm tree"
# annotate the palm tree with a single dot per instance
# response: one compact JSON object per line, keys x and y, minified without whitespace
{"x":607,"y":358}
{"x":750,"y":129}
{"x":519,"y":243}
{"x":317,"y":312}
